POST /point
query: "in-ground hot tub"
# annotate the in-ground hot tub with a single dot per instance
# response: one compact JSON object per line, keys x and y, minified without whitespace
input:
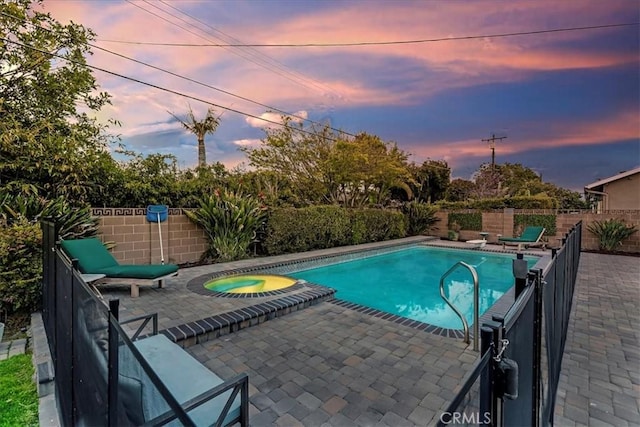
{"x":250,"y":283}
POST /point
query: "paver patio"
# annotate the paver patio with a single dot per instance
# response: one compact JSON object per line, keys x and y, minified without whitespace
{"x":331,"y":365}
{"x":600,"y":379}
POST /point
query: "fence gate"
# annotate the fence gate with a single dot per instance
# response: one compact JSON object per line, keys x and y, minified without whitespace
{"x":515,"y":380}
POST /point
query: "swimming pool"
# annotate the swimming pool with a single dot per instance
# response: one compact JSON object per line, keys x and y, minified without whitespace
{"x":406,"y":282}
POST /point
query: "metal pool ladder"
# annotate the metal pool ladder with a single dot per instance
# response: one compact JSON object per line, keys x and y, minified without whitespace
{"x":476,"y":309}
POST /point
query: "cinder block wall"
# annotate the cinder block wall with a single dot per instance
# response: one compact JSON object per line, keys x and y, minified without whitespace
{"x":137,"y":241}
{"x":589,"y":240}
{"x":502,"y":222}
{"x":440,"y":227}
{"x":497,"y":222}
{"x":494,"y":223}
{"x":187,"y":241}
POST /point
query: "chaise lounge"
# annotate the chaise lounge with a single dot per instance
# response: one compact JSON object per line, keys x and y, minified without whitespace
{"x":530,"y":237}
{"x":95,"y":260}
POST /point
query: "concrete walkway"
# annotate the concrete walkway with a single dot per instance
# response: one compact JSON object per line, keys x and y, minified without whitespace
{"x":13,"y":348}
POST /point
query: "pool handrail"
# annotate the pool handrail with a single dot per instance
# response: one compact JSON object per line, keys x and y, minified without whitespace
{"x":476,"y":308}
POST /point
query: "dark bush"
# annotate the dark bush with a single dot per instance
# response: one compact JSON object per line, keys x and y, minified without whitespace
{"x":377,"y":224}
{"x":420,"y":217}
{"x":518,"y":202}
{"x":318,"y":227}
{"x":521,"y":221}
{"x":466,"y":220}
{"x":20,"y":267}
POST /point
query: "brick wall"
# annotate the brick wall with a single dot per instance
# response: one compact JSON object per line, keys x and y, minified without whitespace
{"x":137,"y":241}
{"x":501,"y":222}
{"x":440,"y":228}
{"x":589,"y":240}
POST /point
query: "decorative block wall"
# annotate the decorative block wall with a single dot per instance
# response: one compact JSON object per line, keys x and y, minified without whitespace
{"x":137,"y":241}
{"x":502,"y":222}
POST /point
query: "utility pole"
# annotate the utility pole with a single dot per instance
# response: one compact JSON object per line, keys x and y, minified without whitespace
{"x":492,"y":145}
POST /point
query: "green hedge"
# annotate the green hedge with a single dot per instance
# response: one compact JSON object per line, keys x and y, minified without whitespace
{"x":466,"y":220}
{"x":521,"y":202}
{"x":520,"y":221}
{"x":292,"y":230}
{"x":20,"y":267}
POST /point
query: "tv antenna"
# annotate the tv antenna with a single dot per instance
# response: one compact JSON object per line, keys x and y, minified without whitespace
{"x":492,"y":145}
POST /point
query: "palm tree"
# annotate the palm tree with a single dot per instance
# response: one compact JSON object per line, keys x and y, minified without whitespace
{"x":200,"y":128}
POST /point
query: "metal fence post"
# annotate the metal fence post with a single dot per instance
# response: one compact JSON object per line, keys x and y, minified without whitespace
{"x":495,"y":341}
{"x":519,"y":268}
{"x":486,"y":378}
{"x":112,"y":375}
{"x":74,"y":340}
{"x":536,"y":277}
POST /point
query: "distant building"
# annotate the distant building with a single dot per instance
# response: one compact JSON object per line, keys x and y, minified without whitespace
{"x":618,"y":192}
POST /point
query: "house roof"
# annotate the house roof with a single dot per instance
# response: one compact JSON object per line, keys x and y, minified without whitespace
{"x":612,"y":178}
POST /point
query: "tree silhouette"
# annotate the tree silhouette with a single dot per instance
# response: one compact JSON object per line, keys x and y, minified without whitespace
{"x":200,"y":128}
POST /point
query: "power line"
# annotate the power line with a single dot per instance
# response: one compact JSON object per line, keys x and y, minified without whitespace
{"x":382,"y":43}
{"x":174,"y":92}
{"x":269,"y":107}
{"x":252,"y":51}
{"x":294,"y":79}
{"x":189,"y":79}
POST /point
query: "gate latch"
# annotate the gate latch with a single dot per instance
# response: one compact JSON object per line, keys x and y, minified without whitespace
{"x":503,"y":346}
{"x":507,"y":374}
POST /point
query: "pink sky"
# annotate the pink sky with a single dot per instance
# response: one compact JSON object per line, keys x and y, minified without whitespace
{"x":376,"y":88}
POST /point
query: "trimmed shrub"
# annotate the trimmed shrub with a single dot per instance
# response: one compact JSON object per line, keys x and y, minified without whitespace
{"x":378,"y":225}
{"x":465,"y":220}
{"x":518,"y":202}
{"x":521,"y":221}
{"x":531,"y":202}
{"x":20,"y":266}
{"x":318,"y":227}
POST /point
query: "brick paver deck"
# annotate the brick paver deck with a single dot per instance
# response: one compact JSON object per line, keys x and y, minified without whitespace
{"x":330,"y":365}
{"x":600,"y":378}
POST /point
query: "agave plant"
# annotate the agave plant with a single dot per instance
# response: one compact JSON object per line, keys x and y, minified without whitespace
{"x":26,"y":204}
{"x":611,"y":232}
{"x":72,"y":222}
{"x":231,"y":221}
{"x":421,"y":217}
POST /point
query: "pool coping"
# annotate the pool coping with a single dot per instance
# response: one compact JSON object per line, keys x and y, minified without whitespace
{"x":212,"y":327}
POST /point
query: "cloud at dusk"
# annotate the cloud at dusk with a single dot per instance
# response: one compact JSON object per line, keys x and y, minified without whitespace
{"x":271,"y":120}
{"x":572,"y":94}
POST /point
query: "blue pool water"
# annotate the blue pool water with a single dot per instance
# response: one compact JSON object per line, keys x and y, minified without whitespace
{"x":406,"y":282}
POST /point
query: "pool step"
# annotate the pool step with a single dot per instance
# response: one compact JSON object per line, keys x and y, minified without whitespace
{"x":209,"y":328}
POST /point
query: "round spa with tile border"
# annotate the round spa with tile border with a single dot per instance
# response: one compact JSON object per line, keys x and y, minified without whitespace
{"x":249,"y":283}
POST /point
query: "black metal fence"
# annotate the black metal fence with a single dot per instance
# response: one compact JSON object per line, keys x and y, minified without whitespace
{"x":515,"y":381}
{"x":101,"y":377}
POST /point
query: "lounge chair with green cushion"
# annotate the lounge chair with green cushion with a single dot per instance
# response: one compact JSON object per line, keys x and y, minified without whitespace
{"x":530,"y":237}
{"x":93,"y":258}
